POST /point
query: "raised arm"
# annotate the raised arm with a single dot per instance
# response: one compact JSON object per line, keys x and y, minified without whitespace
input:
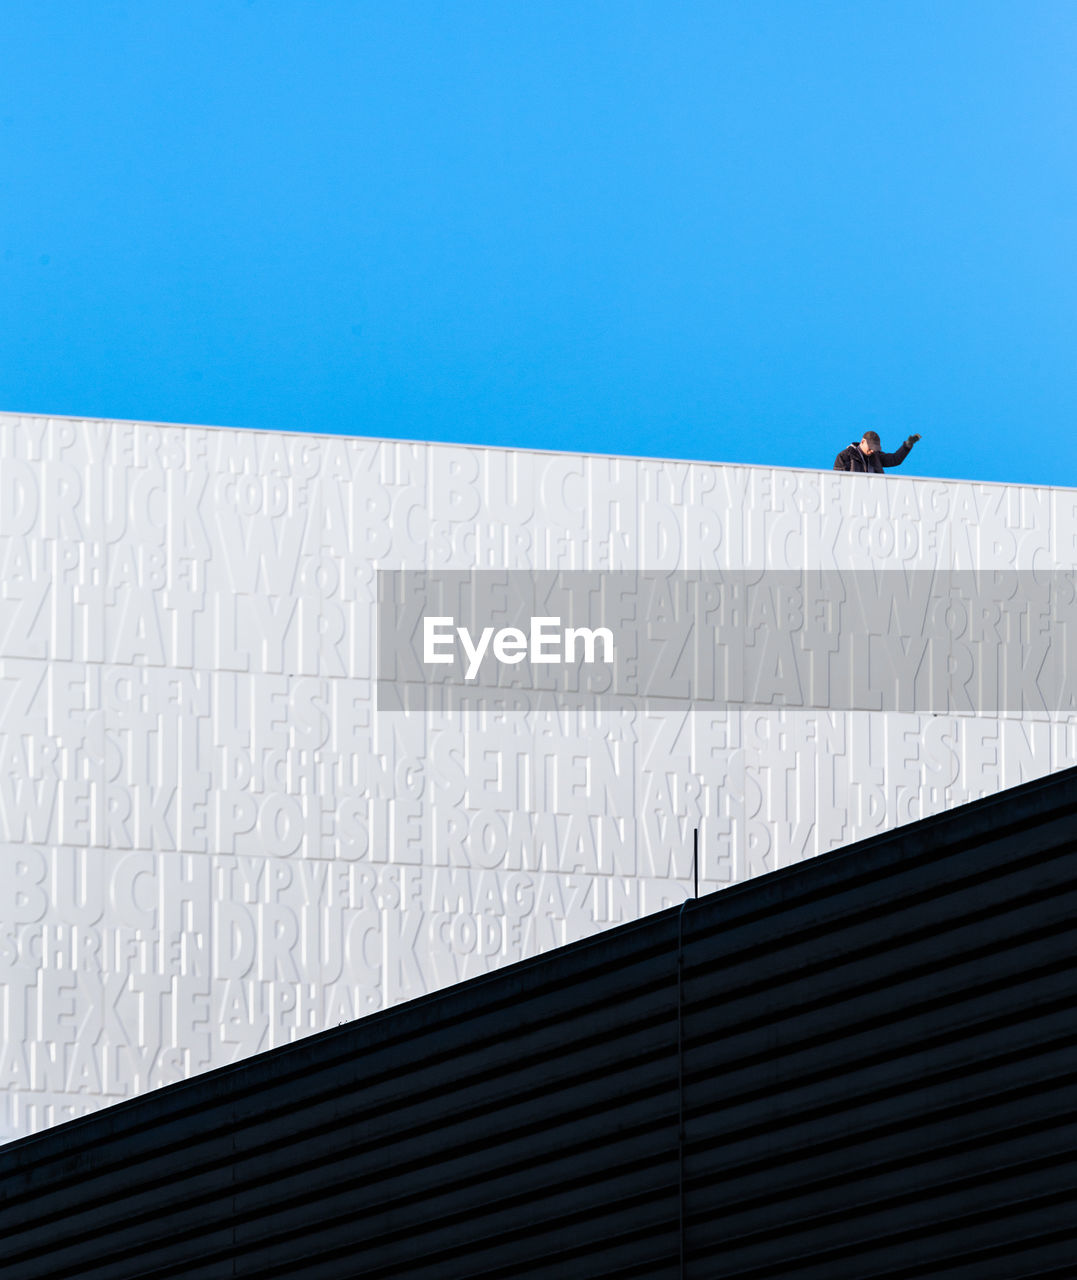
{"x":897,"y":458}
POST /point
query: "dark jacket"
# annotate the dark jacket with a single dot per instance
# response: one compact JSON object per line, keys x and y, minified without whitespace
{"x":852,"y":459}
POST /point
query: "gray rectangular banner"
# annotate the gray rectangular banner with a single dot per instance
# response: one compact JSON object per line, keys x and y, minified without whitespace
{"x":912,"y":641}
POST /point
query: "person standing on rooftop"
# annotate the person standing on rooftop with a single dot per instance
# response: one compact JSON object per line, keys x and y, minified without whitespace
{"x":868,"y":454}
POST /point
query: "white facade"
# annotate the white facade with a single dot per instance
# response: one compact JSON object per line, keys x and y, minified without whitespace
{"x":213,"y":842}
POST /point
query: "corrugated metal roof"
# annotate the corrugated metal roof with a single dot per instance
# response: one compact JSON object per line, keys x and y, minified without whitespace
{"x":861,"y":1066}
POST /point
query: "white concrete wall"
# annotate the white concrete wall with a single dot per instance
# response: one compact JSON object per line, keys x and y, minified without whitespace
{"x":211,"y":842}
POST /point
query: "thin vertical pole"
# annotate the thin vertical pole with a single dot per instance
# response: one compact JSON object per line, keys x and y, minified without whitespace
{"x":681,"y":1230}
{"x":695,"y":861}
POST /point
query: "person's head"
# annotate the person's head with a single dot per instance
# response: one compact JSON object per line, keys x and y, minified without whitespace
{"x":870,"y":442}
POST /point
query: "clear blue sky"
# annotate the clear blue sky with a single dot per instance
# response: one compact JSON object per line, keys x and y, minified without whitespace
{"x":739,"y":231}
